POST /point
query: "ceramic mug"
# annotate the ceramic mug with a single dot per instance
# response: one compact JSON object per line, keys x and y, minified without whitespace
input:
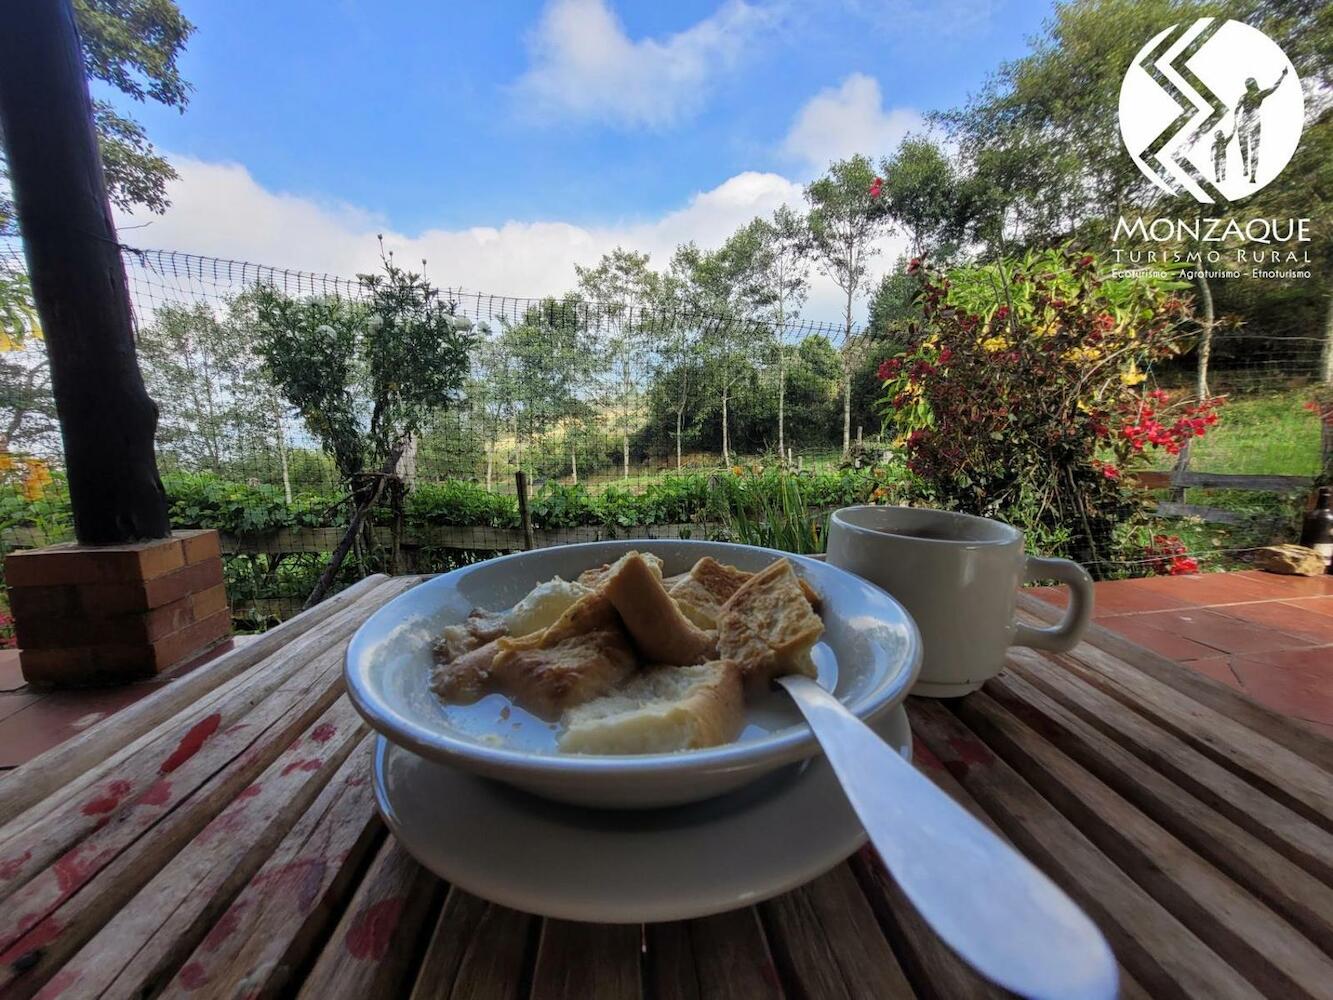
{"x":958,"y":577}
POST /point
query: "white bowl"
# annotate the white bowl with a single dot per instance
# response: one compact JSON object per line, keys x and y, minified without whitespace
{"x":869,"y":657}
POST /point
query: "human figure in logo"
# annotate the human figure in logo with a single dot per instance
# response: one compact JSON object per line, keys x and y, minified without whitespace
{"x":1248,"y":123}
{"x":1221,"y":140}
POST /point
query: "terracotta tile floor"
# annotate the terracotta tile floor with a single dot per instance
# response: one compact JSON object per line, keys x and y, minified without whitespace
{"x":1269,"y":636}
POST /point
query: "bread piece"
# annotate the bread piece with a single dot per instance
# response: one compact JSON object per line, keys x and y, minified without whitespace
{"x":703,"y":591}
{"x":547,"y":680}
{"x":661,"y":633}
{"x":768,"y":628}
{"x":595,"y":577}
{"x":661,"y":710}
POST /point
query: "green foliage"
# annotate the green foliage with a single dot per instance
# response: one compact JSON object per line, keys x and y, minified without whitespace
{"x":201,"y":500}
{"x":454,"y":502}
{"x":365,"y":376}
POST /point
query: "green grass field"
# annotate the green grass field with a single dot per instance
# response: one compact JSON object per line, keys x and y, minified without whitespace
{"x":1267,"y":433}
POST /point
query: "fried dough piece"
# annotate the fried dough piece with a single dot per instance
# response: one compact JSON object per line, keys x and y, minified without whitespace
{"x":595,"y":577}
{"x":703,"y":591}
{"x":548,"y":679}
{"x":768,"y":627}
{"x":660,"y":632}
{"x":591,"y":612}
{"x":662,"y":709}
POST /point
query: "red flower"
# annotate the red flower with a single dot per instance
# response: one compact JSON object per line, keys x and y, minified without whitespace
{"x":914,"y":265}
{"x":1002,"y":313}
{"x":877,"y":187}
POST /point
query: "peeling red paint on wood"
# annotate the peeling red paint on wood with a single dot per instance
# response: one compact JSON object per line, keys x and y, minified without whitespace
{"x":193,"y":976}
{"x":250,"y":791}
{"x":158,"y":794}
{"x":969,"y":751}
{"x":191,"y":742}
{"x":369,"y":937}
{"x":11,"y":867}
{"x":324,"y":732}
{"x":106,"y":803}
{"x":223,"y":929}
{"x":301,"y":765}
{"x":32,"y":940}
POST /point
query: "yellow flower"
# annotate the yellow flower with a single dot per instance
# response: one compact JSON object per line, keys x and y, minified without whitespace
{"x":1132,"y":377}
{"x":993,"y":344}
{"x":7,"y":343}
{"x":736,"y":470}
{"x":37,"y":479}
{"x":1084,"y":354}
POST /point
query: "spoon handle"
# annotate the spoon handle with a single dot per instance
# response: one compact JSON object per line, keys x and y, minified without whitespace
{"x":989,"y":903}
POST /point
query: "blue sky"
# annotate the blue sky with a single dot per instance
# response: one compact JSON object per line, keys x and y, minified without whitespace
{"x":578,"y":123}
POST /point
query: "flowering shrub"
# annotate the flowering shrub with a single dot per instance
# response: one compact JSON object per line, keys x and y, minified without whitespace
{"x":1166,"y":554}
{"x":1022,"y":395}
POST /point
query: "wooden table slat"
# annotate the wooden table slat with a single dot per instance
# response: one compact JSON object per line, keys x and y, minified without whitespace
{"x":280,"y":916}
{"x":576,"y":960}
{"x":1291,"y":834}
{"x":1281,"y":883}
{"x":373,"y":950}
{"x":1291,"y":733}
{"x":1257,"y":943}
{"x":1162,"y":954}
{"x":149,"y":938}
{"x":826,"y":941}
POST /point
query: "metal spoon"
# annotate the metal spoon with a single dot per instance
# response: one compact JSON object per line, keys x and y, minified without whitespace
{"x":984,"y":899}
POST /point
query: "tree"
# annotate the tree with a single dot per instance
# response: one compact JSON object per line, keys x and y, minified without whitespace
{"x":207,"y":382}
{"x":620,"y":286}
{"x":365,"y":376}
{"x":783,"y":273}
{"x":725,"y":292}
{"x":132,"y":45}
{"x":844,"y":224}
{"x":921,"y":194}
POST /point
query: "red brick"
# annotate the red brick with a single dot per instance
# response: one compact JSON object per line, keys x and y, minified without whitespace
{"x":70,"y":562}
{"x":209,"y":602}
{"x":188,"y":642}
{"x":137,"y":628}
{"x":105,"y":600}
{"x":117,"y":663}
{"x":199,"y":544}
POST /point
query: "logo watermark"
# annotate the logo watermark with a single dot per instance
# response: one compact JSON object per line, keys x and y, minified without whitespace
{"x":1211,"y":108}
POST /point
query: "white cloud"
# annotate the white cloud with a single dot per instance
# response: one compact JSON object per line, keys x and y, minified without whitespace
{"x":220,"y":210}
{"x":847,"y":119}
{"x":585,"y":66}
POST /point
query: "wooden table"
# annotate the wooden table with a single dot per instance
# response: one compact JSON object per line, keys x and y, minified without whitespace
{"x":220,"y":839}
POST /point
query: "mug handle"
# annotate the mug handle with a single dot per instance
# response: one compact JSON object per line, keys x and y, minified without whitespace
{"x":1064,"y":635}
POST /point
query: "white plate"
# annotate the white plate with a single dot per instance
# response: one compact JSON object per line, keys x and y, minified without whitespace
{"x":609,"y":866}
{"x":869,"y":656}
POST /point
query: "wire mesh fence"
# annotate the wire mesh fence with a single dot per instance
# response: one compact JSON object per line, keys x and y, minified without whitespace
{"x":625,"y":419}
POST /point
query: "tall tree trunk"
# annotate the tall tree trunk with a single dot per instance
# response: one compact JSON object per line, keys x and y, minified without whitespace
{"x":1205,"y":336}
{"x":574,"y":463}
{"x":107,"y":419}
{"x":782,"y":399}
{"x":624,"y":444}
{"x":680,"y":419}
{"x":407,"y":463}
{"x":282,"y":454}
{"x":490,"y":465}
{"x":726,"y":442}
{"x":358,"y":519}
{"x":847,"y":379}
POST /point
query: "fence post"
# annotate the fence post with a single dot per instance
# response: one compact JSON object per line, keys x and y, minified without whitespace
{"x":521,"y":484}
{"x":1177,"y":474}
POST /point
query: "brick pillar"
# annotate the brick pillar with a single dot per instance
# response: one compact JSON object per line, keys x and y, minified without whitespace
{"x":112,"y":613}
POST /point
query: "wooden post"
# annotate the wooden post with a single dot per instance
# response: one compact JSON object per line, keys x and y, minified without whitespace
{"x":107,"y":420}
{"x":521,"y":485}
